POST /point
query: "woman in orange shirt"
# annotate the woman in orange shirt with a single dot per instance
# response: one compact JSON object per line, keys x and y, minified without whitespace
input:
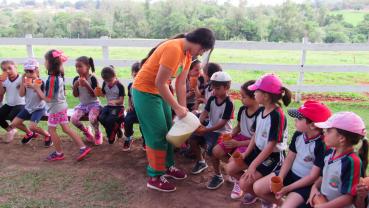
{"x":153,"y":100}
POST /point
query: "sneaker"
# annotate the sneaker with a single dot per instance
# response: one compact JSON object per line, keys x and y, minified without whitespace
{"x":48,"y":142}
{"x":175,"y":173}
{"x":160,"y":184}
{"x":127,"y":144}
{"x":98,"y":138}
{"x":89,"y":136}
{"x":10,"y":136}
{"x":236,"y":191}
{"x":83,"y":153}
{"x":199,"y":167}
{"x":28,"y":137}
{"x":265,"y":204}
{"x":249,"y":199}
{"x":215,"y":182}
{"x":55,"y":156}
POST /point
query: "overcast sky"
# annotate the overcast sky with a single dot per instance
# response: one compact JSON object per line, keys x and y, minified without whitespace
{"x":250,"y":2}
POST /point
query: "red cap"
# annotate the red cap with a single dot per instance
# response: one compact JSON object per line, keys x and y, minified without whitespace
{"x":312,"y":110}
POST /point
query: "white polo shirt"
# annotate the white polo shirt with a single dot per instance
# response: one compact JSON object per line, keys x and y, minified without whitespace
{"x":219,"y":111}
{"x":246,"y":121}
{"x":12,"y":96}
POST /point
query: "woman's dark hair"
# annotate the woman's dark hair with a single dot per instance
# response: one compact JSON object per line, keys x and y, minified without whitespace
{"x":354,"y":139}
{"x":87,"y":61}
{"x":135,"y":67}
{"x":285,"y":96}
{"x":211,"y":68}
{"x":108,"y":72}
{"x":248,"y":92}
{"x":194,"y":63}
{"x":202,"y":36}
{"x":54,"y":66}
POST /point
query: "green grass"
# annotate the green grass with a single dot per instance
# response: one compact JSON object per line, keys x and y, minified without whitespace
{"x":353,"y":17}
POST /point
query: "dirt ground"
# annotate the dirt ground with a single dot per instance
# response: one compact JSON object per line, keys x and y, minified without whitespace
{"x":109,"y":177}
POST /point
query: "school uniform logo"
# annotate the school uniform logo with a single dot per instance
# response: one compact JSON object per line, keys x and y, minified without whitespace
{"x":334,"y":181}
{"x":268,"y":162}
{"x":308,"y":158}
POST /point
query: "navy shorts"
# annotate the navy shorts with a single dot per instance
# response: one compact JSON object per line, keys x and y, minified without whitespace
{"x":270,"y":164}
{"x":209,"y":139}
{"x":304,"y":192}
{"x":34,"y":116}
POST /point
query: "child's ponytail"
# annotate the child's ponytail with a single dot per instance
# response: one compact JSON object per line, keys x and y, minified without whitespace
{"x":363,"y":153}
{"x":91,"y":63}
{"x":287,"y":96}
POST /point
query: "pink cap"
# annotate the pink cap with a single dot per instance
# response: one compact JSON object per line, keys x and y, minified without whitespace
{"x":268,"y":83}
{"x":347,"y":121}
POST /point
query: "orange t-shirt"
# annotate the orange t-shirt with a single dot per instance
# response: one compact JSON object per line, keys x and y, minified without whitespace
{"x":170,"y":54}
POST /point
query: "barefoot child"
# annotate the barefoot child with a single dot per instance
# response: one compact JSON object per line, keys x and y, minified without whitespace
{"x":112,"y":115}
{"x":35,"y":107}
{"x":266,"y":150}
{"x":241,"y":134}
{"x":57,"y":103}
{"x":83,"y":88}
{"x":342,"y":167}
{"x":14,"y":102}
{"x":304,"y":161}
{"x":219,"y":109}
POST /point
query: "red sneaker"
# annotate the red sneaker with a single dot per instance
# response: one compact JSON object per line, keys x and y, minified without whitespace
{"x":160,"y":183}
{"x":83,"y":153}
{"x":175,"y":173}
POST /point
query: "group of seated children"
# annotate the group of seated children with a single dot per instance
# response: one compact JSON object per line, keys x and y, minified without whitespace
{"x":321,"y":162}
{"x":30,"y":98}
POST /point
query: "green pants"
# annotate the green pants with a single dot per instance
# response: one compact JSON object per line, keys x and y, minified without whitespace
{"x":155,"y":117}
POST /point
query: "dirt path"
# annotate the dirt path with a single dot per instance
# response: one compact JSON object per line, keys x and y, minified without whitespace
{"x":108,"y":178}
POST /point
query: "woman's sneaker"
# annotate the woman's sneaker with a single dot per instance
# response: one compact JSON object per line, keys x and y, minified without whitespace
{"x":160,"y":184}
{"x":249,"y":199}
{"x":236,"y":191}
{"x":199,"y":167}
{"x":175,"y":173}
{"x":215,"y":182}
{"x":48,"y":142}
{"x":54,"y":156}
{"x":28,"y":137}
{"x":83,"y":153}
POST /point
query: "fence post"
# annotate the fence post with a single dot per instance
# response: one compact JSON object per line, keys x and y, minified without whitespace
{"x":300,"y":79}
{"x":29,"y":47}
{"x":105,"y":51}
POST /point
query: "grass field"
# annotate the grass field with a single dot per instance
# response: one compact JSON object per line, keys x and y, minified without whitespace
{"x":353,"y":17}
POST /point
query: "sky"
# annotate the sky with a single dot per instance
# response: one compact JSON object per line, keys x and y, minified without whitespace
{"x":250,"y":2}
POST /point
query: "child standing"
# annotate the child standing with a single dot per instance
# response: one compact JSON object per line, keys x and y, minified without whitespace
{"x":35,"y":107}
{"x":112,"y":115}
{"x":14,"y":102}
{"x":265,"y":152}
{"x":342,"y":167}
{"x":131,"y":117}
{"x":83,"y":88}
{"x":241,"y":134}
{"x":304,"y":161}
{"x":219,"y":109}
{"x":56,"y":101}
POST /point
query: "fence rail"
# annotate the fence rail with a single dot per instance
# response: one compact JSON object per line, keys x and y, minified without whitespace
{"x":105,"y":43}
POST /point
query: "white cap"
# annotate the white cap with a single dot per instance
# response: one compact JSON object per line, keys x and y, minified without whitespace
{"x":221,"y":77}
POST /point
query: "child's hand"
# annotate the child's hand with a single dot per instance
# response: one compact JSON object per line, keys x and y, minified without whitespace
{"x":201,"y":100}
{"x":201,"y":131}
{"x":231,"y":144}
{"x":83,"y":82}
{"x":314,"y":192}
{"x":362,"y":190}
{"x":250,"y":174}
{"x":111,"y":102}
{"x":285,"y":190}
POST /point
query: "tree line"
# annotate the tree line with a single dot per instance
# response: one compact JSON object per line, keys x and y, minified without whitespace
{"x":288,"y":22}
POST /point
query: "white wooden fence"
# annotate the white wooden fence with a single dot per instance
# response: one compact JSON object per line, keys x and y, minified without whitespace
{"x":301,"y":68}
